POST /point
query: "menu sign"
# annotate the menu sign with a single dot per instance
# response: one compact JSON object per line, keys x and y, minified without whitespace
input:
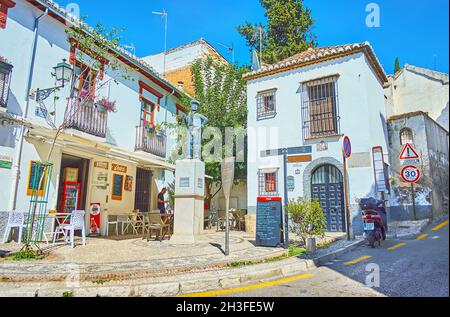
{"x":117,"y":190}
{"x":268,"y":222}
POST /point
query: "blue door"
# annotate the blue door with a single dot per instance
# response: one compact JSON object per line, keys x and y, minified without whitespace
{"x":328,"y":188}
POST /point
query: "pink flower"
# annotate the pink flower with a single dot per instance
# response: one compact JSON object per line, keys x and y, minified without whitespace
{"x":109,"y":105}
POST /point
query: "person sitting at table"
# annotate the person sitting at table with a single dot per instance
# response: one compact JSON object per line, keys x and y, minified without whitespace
{"x":161,"y":201}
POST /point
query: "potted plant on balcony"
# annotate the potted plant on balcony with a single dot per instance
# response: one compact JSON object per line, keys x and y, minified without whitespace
{"x":86,"y":95}
{"x":105,"y":105}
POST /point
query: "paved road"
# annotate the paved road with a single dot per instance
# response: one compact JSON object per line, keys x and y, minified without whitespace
{"x":408,"y":268}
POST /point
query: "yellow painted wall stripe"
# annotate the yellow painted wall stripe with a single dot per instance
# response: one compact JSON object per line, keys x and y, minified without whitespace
{"x":251,"y":287}
{"x":358,"y":260}
{"x":398,"y":246}
{"x":439,"y":227}
{"x":422,"y":236}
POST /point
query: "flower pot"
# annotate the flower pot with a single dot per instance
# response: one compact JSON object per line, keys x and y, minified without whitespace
{"x":100,"y":107}
{"x":311,"y":245}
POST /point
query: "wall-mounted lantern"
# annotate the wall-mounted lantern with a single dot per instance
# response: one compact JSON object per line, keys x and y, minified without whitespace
{"x":5,"y":81}
{"x":63,"y":73}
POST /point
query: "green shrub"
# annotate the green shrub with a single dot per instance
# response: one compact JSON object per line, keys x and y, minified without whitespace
{"x":307,"y":218}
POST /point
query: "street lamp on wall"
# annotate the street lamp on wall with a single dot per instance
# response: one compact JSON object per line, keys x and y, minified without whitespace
{"x":63,"y":73}
{"x":5,"y":81}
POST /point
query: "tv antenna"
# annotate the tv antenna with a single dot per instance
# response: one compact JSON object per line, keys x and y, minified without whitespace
{"x":230,"y":50}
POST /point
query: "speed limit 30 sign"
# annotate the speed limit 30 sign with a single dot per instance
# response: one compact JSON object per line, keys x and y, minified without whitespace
{"x":411,"y":174}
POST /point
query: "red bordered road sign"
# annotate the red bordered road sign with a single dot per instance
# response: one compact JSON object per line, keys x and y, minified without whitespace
{"x":409,"y":153}
{"x":347,"y":146}
{"x":410,"y":174}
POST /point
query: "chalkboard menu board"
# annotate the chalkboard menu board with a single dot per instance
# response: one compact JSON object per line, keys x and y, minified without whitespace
{"x":117,"y":190}
{"x":268,"y":222}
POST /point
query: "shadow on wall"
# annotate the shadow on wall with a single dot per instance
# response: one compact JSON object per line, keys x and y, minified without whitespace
{"x":401,"y":203}
{"x":443,"y":118}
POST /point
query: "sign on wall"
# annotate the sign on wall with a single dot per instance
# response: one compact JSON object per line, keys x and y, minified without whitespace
{"x":35,"y":185}
{"x":102,"y":165}
{"x":117,"y":190}
{"x":128,"y":183}
{"x":119,"y":168}
{"x":5,"y":162}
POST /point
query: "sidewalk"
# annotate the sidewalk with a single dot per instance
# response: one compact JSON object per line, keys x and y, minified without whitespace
{"x":107,"y":258}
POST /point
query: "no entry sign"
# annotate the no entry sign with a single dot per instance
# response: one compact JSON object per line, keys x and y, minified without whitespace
{"x":411,"y":174}
{"x":347,"y":147}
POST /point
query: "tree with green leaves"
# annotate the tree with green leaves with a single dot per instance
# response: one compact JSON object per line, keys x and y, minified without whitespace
{"x":288,"y":30}
{"x":397,"y":66}
{"x":307,"y":218}
{"x":221,"y":91}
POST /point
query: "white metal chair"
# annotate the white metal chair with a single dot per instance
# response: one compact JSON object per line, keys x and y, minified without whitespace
{"x":113,"y":223}
{"x":125,"y":222}
{"x":15,"y":220}
{"x":77,"y":223}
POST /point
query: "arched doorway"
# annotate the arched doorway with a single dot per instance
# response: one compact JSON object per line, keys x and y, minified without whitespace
{"x":327,"y":186}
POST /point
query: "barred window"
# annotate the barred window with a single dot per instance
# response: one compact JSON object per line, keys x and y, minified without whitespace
{"x":268,"y":183}
{"x":5,"y":78}
{"x":266,"y":104}
{"x":320,"y":108}
{"x":406,"y":136}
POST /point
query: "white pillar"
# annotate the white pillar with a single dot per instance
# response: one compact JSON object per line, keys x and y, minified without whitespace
{"x":189,"y":201}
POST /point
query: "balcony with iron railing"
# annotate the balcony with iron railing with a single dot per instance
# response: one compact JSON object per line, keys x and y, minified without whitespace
{"x":150,"y":141}
{"x":85,"y":117}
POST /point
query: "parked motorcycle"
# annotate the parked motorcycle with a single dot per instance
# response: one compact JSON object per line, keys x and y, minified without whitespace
{"x":374,"y":219}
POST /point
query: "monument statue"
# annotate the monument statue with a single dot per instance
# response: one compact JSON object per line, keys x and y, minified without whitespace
{"x":190,"y":183}
{"x":195,"y":121}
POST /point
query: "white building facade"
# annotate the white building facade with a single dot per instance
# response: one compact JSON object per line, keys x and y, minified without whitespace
{"x":121,"y":158}
{"x":307,"y":103}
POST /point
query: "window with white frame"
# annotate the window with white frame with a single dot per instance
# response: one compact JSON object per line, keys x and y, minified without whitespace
{"x":266,"y":104}
{"x":268,"y":183}
{"x":320,"y":109}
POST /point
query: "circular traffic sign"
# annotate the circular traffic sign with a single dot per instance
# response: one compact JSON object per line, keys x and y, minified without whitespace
{"x":347,"y":147}
{"x":411,"y":174}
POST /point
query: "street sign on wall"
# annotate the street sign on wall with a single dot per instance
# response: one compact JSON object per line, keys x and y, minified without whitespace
{"x":410,"y":174}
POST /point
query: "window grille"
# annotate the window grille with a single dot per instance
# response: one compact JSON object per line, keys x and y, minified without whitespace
{"x":266,"y":104}
{"x":320,"y":109}
{"x":268,"y":184}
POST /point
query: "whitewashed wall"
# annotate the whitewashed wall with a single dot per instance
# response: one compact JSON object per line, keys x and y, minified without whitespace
{"x":16,"y":46}
{"x":361,"y":108}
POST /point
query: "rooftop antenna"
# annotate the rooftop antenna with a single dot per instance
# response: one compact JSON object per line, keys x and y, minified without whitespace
{"x":164,"y":15}
{"x":259,"y":32}
{"x":230,"y":50}
{"x":130,"y":47}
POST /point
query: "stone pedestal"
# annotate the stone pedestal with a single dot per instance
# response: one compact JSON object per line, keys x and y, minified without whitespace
{"x":189,"y":201}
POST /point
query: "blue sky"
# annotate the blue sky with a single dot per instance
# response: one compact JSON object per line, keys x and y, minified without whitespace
{"x":417,"y":31}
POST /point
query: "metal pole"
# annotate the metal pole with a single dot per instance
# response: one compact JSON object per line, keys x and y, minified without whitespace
{"x":286,"y":201}
{"x":227,"y":230}
{"x":413,"y":195}
{"x":347,"y":210}
{"x":165,"y":42}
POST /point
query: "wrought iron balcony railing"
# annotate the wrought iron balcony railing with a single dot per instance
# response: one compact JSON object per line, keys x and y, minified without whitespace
{"x":150,"y":141}
{"x":85,"y":117}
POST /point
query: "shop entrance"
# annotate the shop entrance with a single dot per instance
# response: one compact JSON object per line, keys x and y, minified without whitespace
{"x":143,"y":190}
{"x":73,"y":181}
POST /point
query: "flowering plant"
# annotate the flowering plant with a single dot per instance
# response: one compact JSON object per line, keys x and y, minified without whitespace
{"x":86,"y":94}
{"x":107,"y":104}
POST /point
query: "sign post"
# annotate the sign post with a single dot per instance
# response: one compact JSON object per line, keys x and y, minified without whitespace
{"x":347,"y":153}
{"x":227,"y":184}
{"x":411,"y":174}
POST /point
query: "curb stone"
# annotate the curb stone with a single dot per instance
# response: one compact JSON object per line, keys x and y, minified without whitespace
{"x":181,"y":284}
